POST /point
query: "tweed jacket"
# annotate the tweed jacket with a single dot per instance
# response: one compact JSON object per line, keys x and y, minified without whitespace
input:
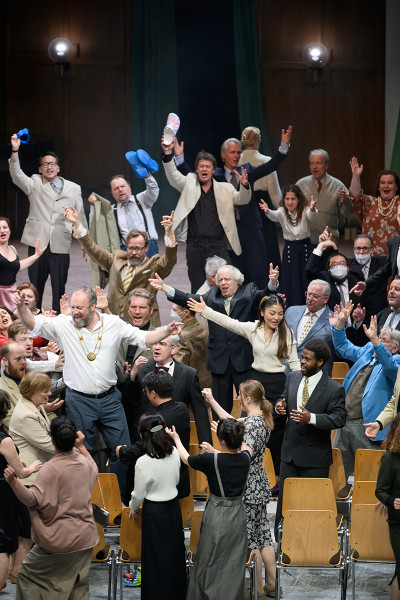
{"x":193,"y":343}
{"x":104,"y":231}
{"x":114,"y":262}
{"x":226,"y":198}
{"x":30,"y":430}
{"x":46,"y":214}
{"x":8,"y":385}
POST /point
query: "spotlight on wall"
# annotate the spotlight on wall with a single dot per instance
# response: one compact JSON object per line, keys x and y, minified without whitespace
{"x":60,"y":51}
{"x":315,"y":55}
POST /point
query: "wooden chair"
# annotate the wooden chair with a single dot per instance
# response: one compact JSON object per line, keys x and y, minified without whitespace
{"x":103,"y":555}
{"x":130,"y":543}
{"x":107,"y":494}
{"x":194,"y":537}
{"x":310,"y":540}
{"x":366,"y":464}
{"x":187,"y":508}
{"x":236,"y":409}
{"x":193,"y":433}
{"x":198,"y":481}
{"x":369,"y":538}
{"x":339,"y":371}
{"x":364,"y":492}
{"x":269,"y":468}
{"x":337,"y":474}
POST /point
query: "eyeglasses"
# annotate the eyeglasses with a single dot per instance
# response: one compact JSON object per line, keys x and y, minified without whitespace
{"x":358,"y":249}
{"x":342,"y":263}
{"x":48,"y":164}
{"x":135,"y":248}
{"x":315,"y":296}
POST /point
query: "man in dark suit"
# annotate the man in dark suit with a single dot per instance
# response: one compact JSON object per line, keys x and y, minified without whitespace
{"x":364,"y":267}
{"x":390,"y":316}
{"x":314,"y":405}
{"x":186,"y":384}
{"x":249,"y":225}
{"x":229,"y":356}
{"x":159,"y":389}
{"x":312,"y":319}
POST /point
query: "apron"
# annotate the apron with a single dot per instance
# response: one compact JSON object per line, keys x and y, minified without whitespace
{"x":219,"y":563}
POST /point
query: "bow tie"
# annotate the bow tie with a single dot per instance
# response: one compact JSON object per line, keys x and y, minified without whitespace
{"x":166,"y":369}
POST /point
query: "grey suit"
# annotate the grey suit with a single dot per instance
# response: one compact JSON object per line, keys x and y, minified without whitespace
{"x":321,"y":329}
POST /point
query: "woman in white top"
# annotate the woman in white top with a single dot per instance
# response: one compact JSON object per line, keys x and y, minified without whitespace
{"x":163,"y":547}
{"x":273,"y":344}
{"x":295,"y":217}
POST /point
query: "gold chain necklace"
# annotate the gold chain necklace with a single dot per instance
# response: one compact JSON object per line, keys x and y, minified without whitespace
{"x":91,"y":355}
{"x":386,"y":211}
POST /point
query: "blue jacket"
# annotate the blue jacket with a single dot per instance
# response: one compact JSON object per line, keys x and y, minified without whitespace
{"x":379,"y":388}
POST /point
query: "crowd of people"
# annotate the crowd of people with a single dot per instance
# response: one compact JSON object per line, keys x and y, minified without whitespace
{"x":97,"y":383}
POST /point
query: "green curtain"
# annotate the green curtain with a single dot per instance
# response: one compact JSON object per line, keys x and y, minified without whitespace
{"x":248,"y":70}
{"x":153,"y":86}
{"x":395,"y":162}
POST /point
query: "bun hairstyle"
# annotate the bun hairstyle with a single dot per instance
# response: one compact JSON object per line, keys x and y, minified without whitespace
{"x":156,"y":442}
{"x":231,"y":432}
{"x":63,"y":431}
{"x":5,"y":404}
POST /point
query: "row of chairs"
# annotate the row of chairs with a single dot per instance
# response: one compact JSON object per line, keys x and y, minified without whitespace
{"x":314,"y":536}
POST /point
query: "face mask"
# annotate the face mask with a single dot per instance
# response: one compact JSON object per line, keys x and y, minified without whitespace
{"x":362,"y":259}
{"x":175,"y":316}
{"x":339,"y":272}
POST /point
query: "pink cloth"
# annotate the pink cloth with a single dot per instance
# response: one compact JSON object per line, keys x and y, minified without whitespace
{"x":6,"y":294}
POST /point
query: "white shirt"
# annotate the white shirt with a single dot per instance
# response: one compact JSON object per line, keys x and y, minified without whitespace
{"x":81,"y":374}
{"x":304,"y":319}
{"x":146,"y":200}
{"x":312,"y":384}
{"x":155,"y":479}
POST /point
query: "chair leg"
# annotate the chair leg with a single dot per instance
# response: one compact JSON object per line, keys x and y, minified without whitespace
{"x":110,"y":574}
{"x":278,"y":584}
{"x":353,"y":582}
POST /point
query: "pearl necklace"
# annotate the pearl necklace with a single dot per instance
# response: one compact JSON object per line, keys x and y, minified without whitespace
{"x":387,"y":211}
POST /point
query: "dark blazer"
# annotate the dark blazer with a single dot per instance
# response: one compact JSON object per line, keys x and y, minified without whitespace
{"x":177,"y":414}
{"x":321,"y":330}
{"x":186,"y":390}
{"x":389,"y":269}
{"x":376,"y":299}
{"x":381,"y":318}
{"x":310,"y":445}
{"x":225,"y":347}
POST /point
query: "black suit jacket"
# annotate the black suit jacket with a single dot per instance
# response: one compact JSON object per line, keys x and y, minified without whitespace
{"x":177,"y":414}
{"x":186,"y":390}
{"x":376,"y":298}
{"x":310,"y":445}
{"x":389,"y":269}
{"x":224,"y":347}
{"x":382,"y":316}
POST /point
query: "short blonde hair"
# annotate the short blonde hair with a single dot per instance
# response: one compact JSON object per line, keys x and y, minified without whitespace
{"x":250,"y":135}
{"x":34,"y":382}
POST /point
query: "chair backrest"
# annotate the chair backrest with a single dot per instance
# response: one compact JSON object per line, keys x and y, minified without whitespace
{"x":215,"y":441}
{"x":301,"y":493}
{"x":198,"y":481}
{"x":101,"y":551}
{"x":310,"y":538}
{"x":107,"y":488}
{"x":369,"y":533}
{"x":187,"y":508}
{"x":236,"y":409}
{"x":193,"y":433}
{"x":366,"y":464}
{"x":364,"y":492}
{"x":195,"y":529}
{"x":336,"y":471}
{"x":269,"y":468}
{"x":339,"y":371}
{"x":130,"y":539}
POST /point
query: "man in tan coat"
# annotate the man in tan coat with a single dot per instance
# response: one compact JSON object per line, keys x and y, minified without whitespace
{"x":204,"y":217}
{"x":131,"y":268}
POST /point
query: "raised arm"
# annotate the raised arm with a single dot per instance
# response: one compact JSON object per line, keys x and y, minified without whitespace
{"x":211,"y":401}
{"x":183,"y":453}
{"x":356,"y":170}
{"x":96,"y":253}
{"x":24,"y":314}
{"x":25,"y":263}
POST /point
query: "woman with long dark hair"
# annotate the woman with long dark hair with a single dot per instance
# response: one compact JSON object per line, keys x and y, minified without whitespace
{"x":63,"y":529}
{"x":163,"y":548}
{"x":219,"y":565}
{"x":273,"y":344}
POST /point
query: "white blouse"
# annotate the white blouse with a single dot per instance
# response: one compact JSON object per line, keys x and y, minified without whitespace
{"x":292,"y":232}
{"x":155,"y":479}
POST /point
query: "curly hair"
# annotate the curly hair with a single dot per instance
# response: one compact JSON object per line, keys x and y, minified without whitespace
{"x":302,"y":201}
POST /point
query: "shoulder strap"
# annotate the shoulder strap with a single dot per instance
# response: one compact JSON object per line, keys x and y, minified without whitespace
{"x":221,"y":489}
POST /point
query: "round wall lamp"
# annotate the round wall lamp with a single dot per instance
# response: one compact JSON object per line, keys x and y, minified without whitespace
{"x":60,"y":51}
{"x":316,"y":55}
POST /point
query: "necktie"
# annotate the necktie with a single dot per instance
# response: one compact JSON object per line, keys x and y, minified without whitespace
{"x":234,"y":180}
{"x":128,"y":277}
{"x":341,"y":292}
{"x":227,"y":304}
{"x":307,"y":327}
{"x":390,"y":324}
{"x":365,"y":270}
{"x":305,"y":396}
{"x":319,"y":186}
{"x":161,"y":369}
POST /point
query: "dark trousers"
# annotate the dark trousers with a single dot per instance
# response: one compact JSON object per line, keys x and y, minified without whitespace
{"x":291,"y":470}
{"x":198,"y":249}
{"x":222,"y":386}
{"x":55,"y":265}
{"x":253,"y":261}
